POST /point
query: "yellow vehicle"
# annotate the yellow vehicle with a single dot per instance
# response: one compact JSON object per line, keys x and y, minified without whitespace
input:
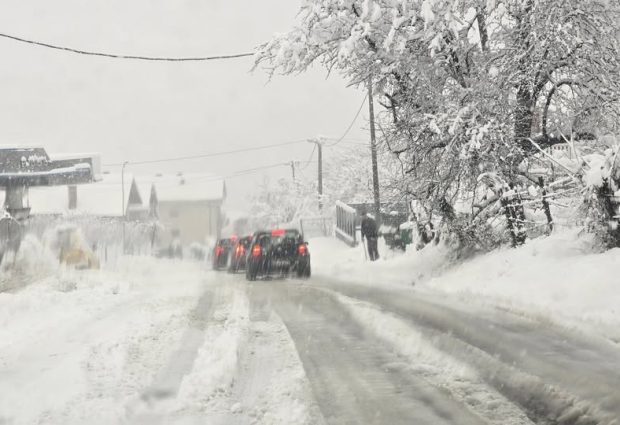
{"x":73,"y":249}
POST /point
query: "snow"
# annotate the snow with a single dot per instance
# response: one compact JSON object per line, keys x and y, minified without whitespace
{"x":116,"y":346}
{"x":102,"y":334}
{"x":103,"y":198}
{"x":187,"y":186}
{"x":561,"y":277}
{"x":434,"y":366}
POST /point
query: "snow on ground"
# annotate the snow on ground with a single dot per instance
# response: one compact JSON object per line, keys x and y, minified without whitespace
{"x":147,"y":341}
{"x":437,"y":368}
{"x":560,"y":277}
{"x":77,"y":345}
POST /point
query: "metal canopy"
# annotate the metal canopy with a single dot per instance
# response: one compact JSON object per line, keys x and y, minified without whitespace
{"x":32,"y":166}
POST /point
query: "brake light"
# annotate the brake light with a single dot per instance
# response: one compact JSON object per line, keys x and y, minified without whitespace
{"x":277,"y":232}
{"x":302,"y":249}
{"x":218,"y":251}
{"x":256,"y":251}
{"x":233,"y":238}
{"x":240,"y":250}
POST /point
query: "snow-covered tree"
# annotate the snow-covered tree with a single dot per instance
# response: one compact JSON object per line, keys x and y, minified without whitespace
{"x":282,"y":202}
{"x":465,"y":83}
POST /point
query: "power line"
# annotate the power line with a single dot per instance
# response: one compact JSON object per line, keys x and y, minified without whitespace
{"x":206,"y":155}
{"x":239,"y":173}
{"x":121,"y":56}
{"x":350,"y":125}
{"x":308,"y":161}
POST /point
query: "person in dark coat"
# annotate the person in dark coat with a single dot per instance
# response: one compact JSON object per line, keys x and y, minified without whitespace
{"x":369,"y":232}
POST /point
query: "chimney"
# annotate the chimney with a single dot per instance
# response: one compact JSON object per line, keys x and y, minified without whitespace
{"x":72,"y":197}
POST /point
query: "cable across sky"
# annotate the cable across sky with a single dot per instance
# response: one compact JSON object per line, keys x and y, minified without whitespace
{"x":204,"y":155}
{"x":125,"y":56}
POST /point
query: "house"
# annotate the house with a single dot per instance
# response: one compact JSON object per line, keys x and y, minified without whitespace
{"x":114,"y":196}
{"x":189,"y":206}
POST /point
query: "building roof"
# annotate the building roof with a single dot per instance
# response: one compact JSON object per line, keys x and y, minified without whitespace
{"x":103,"y":198}
{"x":186,"y":187}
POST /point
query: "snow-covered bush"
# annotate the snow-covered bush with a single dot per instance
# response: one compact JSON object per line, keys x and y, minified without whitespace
{"x":601,"y":208}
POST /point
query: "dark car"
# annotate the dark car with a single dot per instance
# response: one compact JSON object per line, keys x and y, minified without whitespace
{"x":238,"y":254}
{"x":221,"y":253}
{"x":279,"y":252}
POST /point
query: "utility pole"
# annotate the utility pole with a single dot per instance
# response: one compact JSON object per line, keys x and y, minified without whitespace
{"x":293,"y":170}
{"x":373,"y":152}
{"x":319,"y":145}
{"x":123,"y":215}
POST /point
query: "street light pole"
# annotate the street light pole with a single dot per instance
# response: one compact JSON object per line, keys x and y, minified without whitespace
{"x":319,"y":145}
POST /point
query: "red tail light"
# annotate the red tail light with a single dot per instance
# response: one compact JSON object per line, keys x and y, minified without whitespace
{"x":277,"y":232}
{"x":240,"y":250}
{"x":256,"y":251}
{"x":218,"y":251}
{"x":302,"y":249}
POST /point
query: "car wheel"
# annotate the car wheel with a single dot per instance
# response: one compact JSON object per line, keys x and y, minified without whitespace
{"x":303,"y":271}
{"x":250,"y":274}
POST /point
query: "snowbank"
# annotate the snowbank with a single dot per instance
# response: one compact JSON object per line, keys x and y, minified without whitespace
{"x":77,"y":345}
{"x":559,"y":277}
{"x":333,"y":259}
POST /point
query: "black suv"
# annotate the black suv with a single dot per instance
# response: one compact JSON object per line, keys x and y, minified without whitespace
{"x":279,"y":252}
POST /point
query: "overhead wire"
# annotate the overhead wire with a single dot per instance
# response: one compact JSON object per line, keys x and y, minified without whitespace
{"x":309,"y":160}
{"x":209,"y":177}
{"x":124,"y":56}
{"x":205,"y":155}
{"x":350,"y":125}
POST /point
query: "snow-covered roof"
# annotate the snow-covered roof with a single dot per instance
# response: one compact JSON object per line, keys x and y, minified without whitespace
{"x":103,"y":198}
{"x":186,"y":187}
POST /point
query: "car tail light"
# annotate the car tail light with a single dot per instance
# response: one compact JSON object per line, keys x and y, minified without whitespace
{"x":302,"y":249}
{"x":219,"y":250}
{"x":277,"y":232}
{"x":240,"y":250}
{"x":256,"y":251}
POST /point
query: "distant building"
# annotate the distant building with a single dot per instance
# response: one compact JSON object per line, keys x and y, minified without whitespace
{"x":101,"y":199}
{"x":189,"y":206}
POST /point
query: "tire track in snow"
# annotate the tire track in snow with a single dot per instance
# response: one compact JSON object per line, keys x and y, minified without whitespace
{"x":271,"y":385}
{"x":355,"y":378}
{"x":555,"y":376}
{"x":168,"y":381}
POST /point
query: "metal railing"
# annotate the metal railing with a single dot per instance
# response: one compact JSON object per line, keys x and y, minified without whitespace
{"x":346,"y":222}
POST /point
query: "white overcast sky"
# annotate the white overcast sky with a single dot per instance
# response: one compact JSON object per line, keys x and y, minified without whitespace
{"x":129,"y":110}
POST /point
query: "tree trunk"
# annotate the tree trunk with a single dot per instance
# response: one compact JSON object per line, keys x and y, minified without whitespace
{"x":524,"y":116}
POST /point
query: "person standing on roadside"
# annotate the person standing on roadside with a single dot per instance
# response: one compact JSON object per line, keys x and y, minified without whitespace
{"x":369,"y":232}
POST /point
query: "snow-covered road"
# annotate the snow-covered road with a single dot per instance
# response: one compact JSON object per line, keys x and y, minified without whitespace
{"x":170,"y":342}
